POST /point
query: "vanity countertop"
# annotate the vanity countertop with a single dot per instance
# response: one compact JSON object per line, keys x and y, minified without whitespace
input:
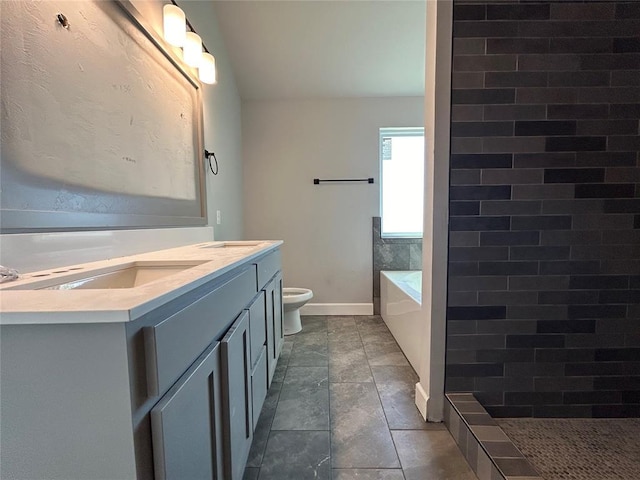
{"x":24,"y":301}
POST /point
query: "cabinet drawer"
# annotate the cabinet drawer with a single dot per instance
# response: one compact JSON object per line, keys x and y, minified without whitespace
{"x":257,"y":327}
{"x":259,"y":385}
{"x":268,"y":266}
{"x":172,"y":345}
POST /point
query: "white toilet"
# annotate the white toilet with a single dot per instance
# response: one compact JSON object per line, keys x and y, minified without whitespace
{"x":292,"y":300}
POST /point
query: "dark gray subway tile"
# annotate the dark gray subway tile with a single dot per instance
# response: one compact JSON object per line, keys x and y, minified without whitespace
{"x":515,"y":112}
{"x":547,"y":127}
{"x":510,"y":207}
{"x":476,"y":313}
{"x":511,"y":176}
{"x":464,"y":177}
{"x":626,"y":45}
{"x":617,"y":237}
{"x":575,"y":143}
{"x":469,"y":12}
{"x":572,"y":111}
{"x":505,"y":355}
{"x":544,"y":160}
{"x":518,"y":46}
{"x":574,"y":175}
{"x":479,"y":223}
{"x":541,"y":222}
{"x":622,"y":143}
{"x":535,"y":341}
{"x":579,"y":79}
{"x":596,"y":311}
{"x":466,"y":145}
{"x":619,"y":296}
{"x":607,"y":127}
{"x":559,"y":384}
{"x":475,"y":370}
{"x":581,"y":45}
{"x":539,"y":95}
{"x":567,"y":206}
{"x":467,"y":80}
{"x":518,"y":12}
{"x":593,"y":369}
{"x":620,"y":175}
{"x":566,"y":326}
{"x":571,"y":267}
{"x":515,"y":79}
{"x":481,"y":160}
{"x":626,"y":10}
{"x":624,"y":110}
{"x":565,"y":355}
{"x":625,"y":354}
{"x":460,"y":299}
{"x":481,"y":129}
{"x":558,"y":29}
{"x":464,"y":208}
{"x":510,"y":238}
{"x":541,"y":192}
{"x":568,"y":297}
{"x":618,"y":61}
{"x":462,"y":268}
{"x":467,"y":342}
{"x":602,"y":221}
{"x":477,"y":283}
{"x":622,"y":206}
{"x":483,"y":63}
{"x":513,"y":144}
{"x":636,"y":221}
{"x":625,"y":78}
{"x":508,"y":268}
{"x":467,"y":254}
{"x":539,"y":253}
{"x":508,"y":298}
{"x":591,"y":397}
{"x":611,"y":190}
{"x":571,"y":237}
{"x":464,"y":239}
{"x":506,"y":326}
{"x":540,"y":282}
{"x":494,"y":29}
{"x":537,"y":312}
{"x":597,"y":282}
{"x":483,"y":192}
{"x":608,"y":94}
{"x":466,"y":113}
{"x":532,"y":398}
{"x":548,"y":62}
{"x":466,"y":46}
{"x":583,"y":11}
{"x":483,"y":96}
{"x":606,"y":159}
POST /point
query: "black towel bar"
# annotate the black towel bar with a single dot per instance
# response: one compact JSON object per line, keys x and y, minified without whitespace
{"x":317,"y":181}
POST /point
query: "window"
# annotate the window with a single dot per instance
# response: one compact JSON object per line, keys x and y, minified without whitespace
{"x":402,"y":174}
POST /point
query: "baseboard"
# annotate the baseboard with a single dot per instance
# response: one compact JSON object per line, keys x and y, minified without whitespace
{"x":421,"y":400}
{"x":337,"y":309}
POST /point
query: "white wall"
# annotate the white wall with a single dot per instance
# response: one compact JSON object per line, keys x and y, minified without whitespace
{"x":222,"y":134}
{"x":326,"y":228}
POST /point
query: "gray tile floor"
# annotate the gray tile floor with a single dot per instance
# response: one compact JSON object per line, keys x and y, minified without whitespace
{"x":341,"y":406}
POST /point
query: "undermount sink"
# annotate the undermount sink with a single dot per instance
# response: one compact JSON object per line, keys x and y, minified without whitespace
{"x":126,"y":275}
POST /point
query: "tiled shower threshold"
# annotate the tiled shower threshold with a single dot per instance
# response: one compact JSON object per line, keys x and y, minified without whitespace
{"x":549,"y":448}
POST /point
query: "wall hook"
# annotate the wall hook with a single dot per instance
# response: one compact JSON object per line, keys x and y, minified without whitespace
{"x":63,"y":20}
{"x":208,"y":155}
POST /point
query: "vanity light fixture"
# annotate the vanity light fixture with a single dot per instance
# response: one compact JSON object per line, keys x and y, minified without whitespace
{"x":195,"y":53}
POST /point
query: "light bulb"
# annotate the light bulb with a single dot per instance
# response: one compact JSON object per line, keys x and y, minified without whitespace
{"x":207,"y":69}
{"x":174,"y":25}
{"x":192,"y":49}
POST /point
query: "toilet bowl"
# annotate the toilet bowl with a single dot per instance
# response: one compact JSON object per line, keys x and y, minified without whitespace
{"x":292,"y":300}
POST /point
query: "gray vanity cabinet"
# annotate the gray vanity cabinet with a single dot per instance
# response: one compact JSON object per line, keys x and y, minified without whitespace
{"x":237,"y":396}
{"x":275,"y":327}
{"x":187,"y":423}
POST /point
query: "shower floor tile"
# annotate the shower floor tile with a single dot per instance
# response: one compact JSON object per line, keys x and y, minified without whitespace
{"x":577,"y":448}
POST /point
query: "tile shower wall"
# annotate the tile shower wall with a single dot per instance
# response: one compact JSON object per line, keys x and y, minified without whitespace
{"x":392,"y":254}
{"x":544,"y":256}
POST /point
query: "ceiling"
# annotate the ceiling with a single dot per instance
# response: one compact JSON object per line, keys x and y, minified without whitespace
{"x":323,"y":48}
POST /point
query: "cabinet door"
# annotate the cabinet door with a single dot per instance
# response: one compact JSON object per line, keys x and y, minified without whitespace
{"x":187,"y":424}
{"x":272,"y":355}
{"x":278,"y":317}
{"x":237,"y":397}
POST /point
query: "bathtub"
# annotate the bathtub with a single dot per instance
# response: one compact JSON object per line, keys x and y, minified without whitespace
{"x":400,"y":301}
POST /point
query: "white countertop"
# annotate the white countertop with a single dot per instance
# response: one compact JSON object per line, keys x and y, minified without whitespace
{"x":20,"y":304}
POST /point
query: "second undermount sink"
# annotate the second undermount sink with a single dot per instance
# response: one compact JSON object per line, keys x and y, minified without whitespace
{"x":127,"y":275}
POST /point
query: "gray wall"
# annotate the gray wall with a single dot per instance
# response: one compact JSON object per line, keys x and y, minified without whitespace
{"x":326,"y":228}
{"x":544,"y":286}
